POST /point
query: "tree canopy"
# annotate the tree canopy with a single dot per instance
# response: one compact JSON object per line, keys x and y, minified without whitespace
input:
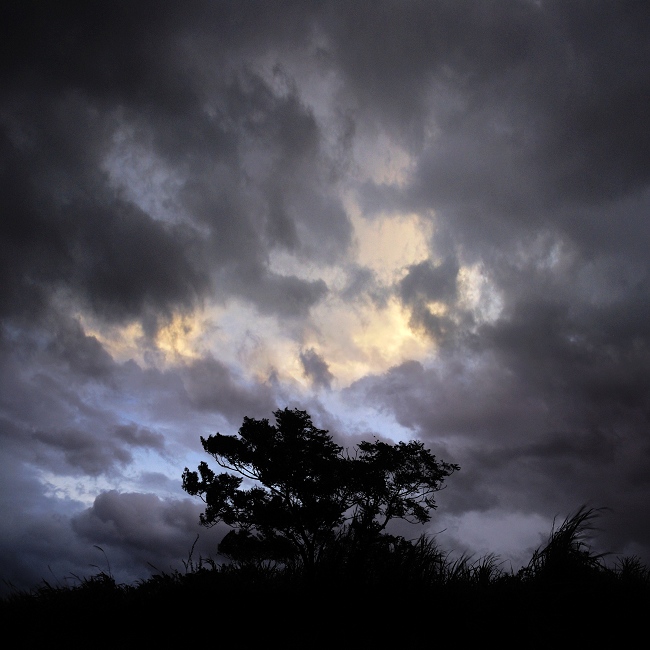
{"x":301,"y":490}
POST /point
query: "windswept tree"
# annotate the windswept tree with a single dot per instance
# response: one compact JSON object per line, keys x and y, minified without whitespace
{"x":301,"y":489}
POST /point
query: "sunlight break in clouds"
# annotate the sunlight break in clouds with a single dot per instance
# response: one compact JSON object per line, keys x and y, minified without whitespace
{"x":478,"y":295}
{"x":365,"y":338}
{"x":355,"y":338}
{"x":388,"y":244}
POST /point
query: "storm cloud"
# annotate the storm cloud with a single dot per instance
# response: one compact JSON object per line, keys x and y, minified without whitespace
{"x":415,"y":220}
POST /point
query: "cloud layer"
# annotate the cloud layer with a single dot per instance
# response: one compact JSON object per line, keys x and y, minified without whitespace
{"x":412,"y":219}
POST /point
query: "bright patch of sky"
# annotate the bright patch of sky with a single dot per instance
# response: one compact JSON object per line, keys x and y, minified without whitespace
{"x":478,"y":294}
{"x":363,"y":421}
{"x":511,"y":536}
{"x":82,"y":490}
{"x":389,"y":244}
{"x":353,"y":337}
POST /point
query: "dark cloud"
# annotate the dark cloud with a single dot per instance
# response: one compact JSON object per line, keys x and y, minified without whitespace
{"x":425,"y":284}
{"x":83,"y":451}
{"x":541,"y":418}
{"x":395,"y":58}
{"x":35,"y":534}
{"x":316,"y":368}
{"x":55,"y":391}
{"x":129,"y":263}
{"x":64,"y":228}
{"x":536,"y":113}
{"x":211,"y":386}
{"x":127,"y":535}
{"x":249,"y":157}
{"x":534,"y":169}
{"x":43,"y":548}
{"x":284,"y":295}
{"x":84,"y":355}
{"x":136,"y":436}
{"x":149,"y":530}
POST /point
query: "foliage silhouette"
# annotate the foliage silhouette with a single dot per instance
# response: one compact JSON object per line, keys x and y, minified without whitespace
{"x":308,"y":497}
{"x":567,"y":557}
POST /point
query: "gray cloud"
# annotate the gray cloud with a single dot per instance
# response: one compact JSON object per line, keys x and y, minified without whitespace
{"x":144,"y":527}
{"x":423,"y":284}
{"x":540,"y":419}
{"x":316,"y":368}
{"x":534,"y":170}
{"x":83,"y":451}
{"x":249,"y":156}
{"x":286,"y":296}
{"x":211,"y":386}
{"x":155,"y":159}
{"x":84,"y":355}
{"x":140,"y":437}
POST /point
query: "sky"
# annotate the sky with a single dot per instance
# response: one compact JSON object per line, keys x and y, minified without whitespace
{"x":414,"y":220}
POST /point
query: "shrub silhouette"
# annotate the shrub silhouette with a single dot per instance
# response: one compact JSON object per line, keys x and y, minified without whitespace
{"x":311,"y":503}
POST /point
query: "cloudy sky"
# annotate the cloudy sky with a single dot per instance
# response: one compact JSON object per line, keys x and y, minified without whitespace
{"x":414,"y":220}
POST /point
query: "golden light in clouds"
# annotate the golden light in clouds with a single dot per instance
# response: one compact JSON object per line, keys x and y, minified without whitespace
{"x":438,"y":308}
{"x":357,"y":338}
{"x":182,"y":337}
{"x":122,"y":342}
{"x":354,"y":338}
{"x":389,"y":244}
{"x":368,"y":339}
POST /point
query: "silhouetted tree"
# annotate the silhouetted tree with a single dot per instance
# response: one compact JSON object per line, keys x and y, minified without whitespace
{"x":306,"y":490}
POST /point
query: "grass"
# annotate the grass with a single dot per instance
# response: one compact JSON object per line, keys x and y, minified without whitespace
{"x":415,"y":588}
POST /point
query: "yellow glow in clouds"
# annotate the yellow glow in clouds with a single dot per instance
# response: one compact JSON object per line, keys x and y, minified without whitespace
{"x":181,"y":338}
{"x":355,"y":337}
{"x":356,"y":341}
{"x":388,"y":245}
{"x":361,"y":337}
